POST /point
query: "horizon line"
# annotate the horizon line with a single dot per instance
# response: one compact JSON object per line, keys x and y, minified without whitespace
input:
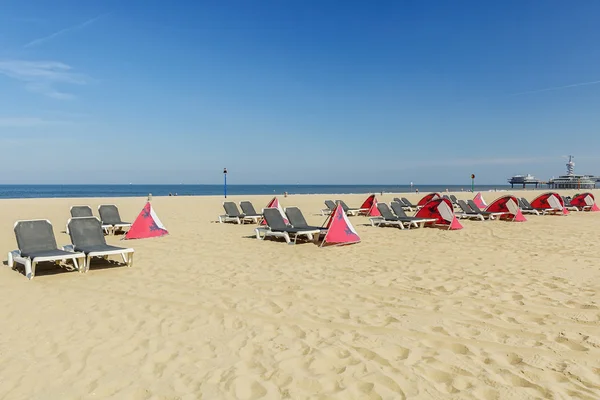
{"x":251,"y":184}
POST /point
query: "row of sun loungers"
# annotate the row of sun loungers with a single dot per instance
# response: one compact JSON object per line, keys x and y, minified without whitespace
{"x":36,"y":243}
{"x":397,"y":218}
{"x":273,"y":223}
{"x":348,"y":210}
{"x":295,"y":226}
{"x":276,"y":226}
{"x":233,"y":214}
{"x":109,"y":215}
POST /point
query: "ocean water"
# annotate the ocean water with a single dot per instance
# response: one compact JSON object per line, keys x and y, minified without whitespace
{"x":51,"y":191}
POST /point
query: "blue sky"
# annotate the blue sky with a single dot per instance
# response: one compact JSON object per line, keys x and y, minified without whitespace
{"x":297,"y":91}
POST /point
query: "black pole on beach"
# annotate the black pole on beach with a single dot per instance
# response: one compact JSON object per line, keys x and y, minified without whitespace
{"x":225,"y":183}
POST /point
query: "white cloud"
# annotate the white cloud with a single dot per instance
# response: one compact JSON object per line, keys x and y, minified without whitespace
{"x":42,"y":76}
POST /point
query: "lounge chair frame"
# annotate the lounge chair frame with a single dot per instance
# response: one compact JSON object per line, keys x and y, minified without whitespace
{"x":263,"y":232}
{"x":112,"y":228}
{"x":253,"y":218}
{"x":329,"y":209}
{"x":467,"y":213}
{"x":125,"y":252}
{"x":416,"y":222}
{"x":240,"y":219}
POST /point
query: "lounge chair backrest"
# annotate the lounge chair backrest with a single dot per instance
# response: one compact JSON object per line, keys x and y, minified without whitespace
{"x":385,"y":211}
{"x":446,"y":197}
{"x":397,"y":200}
{"x":465,"y":207}
{"x":473,"y":206}
{"x":525,"y":204}
{"x":274,"y":219}
{"x":230,"y":208}
{"x":406,"y":202}
{"x":35,"y":236}
{"x":248,"y":208}
{"x":109,"y":214}
{"x":81,"y":211}
{"x":344,"y":206}
{"x":295,"y":217}
{"x":330,"y":204}
{"x":86,"y":231}
{"x":397,"y":208}
{"x":453,"y":199}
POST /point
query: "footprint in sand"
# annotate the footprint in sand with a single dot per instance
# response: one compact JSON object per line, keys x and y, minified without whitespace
{"x":571,"y":345}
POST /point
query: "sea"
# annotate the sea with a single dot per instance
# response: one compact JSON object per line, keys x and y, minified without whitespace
{"x":56,"y":191}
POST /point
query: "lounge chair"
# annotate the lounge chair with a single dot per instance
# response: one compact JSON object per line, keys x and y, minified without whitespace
{"x":330,"y":208}
{"x":233,"y":214}
{"x":81,"y":211}
{"x":87,"y":237}
{"x":467,"y":212}
{"x":526,"y":207}
{"x":387,"y":218}
{"x":277,"y":227}
{"x":297,"y":219}
{"x":490,"y":215}
{"x":349,"y":211}
{"x":86,"y":211}
{"x":109,"y":215}
{"x":403,"y":204}
{"x":249,"y":212}
{"x":36,"y":242}
{"x":409,"y":204}
{"x":567,"y":204}
{"x":415,"y":221}
{"x":453,"y":199}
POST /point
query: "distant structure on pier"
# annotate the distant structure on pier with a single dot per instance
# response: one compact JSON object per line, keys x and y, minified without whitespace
{"x":523,"y":180}
{"x":572,"y":181}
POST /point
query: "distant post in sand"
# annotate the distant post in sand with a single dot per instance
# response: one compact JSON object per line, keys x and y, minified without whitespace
{"x":225,"y":183}
{"x":473,"y":183}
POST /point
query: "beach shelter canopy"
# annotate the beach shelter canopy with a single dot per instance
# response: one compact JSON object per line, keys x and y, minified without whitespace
{"x":339,"y":229}
{"x":479,"y":202}
{"x":370,"y":204}
{"x":428,"y":198}
{"x":549,"y":201}
{"x":146,"y":225}
{"x":585,"y":201}
{"x":508,"y":205}
{"x":274,"y":203}
{"x":442,"y":211}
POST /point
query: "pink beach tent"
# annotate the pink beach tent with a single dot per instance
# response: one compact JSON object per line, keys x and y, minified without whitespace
{"x":508,"y":205}
{"x":585,"y":202}
{"x":146,"y":225}
{"x":339,"y":229}
{"x":274,"y":203}
{"x":427,"y":198}
{"x":479,"y":202}
{"x":442,"y":211}
{"x":550,"y":201}
{"x":370,"y":206}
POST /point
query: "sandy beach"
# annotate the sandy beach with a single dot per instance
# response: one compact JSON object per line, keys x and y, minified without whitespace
{"x":497,"y":310}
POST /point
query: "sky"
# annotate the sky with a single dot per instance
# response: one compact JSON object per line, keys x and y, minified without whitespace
{"x":308,"y":92}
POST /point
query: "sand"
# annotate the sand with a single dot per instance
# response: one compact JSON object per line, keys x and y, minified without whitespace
{"x":497,"y":310}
